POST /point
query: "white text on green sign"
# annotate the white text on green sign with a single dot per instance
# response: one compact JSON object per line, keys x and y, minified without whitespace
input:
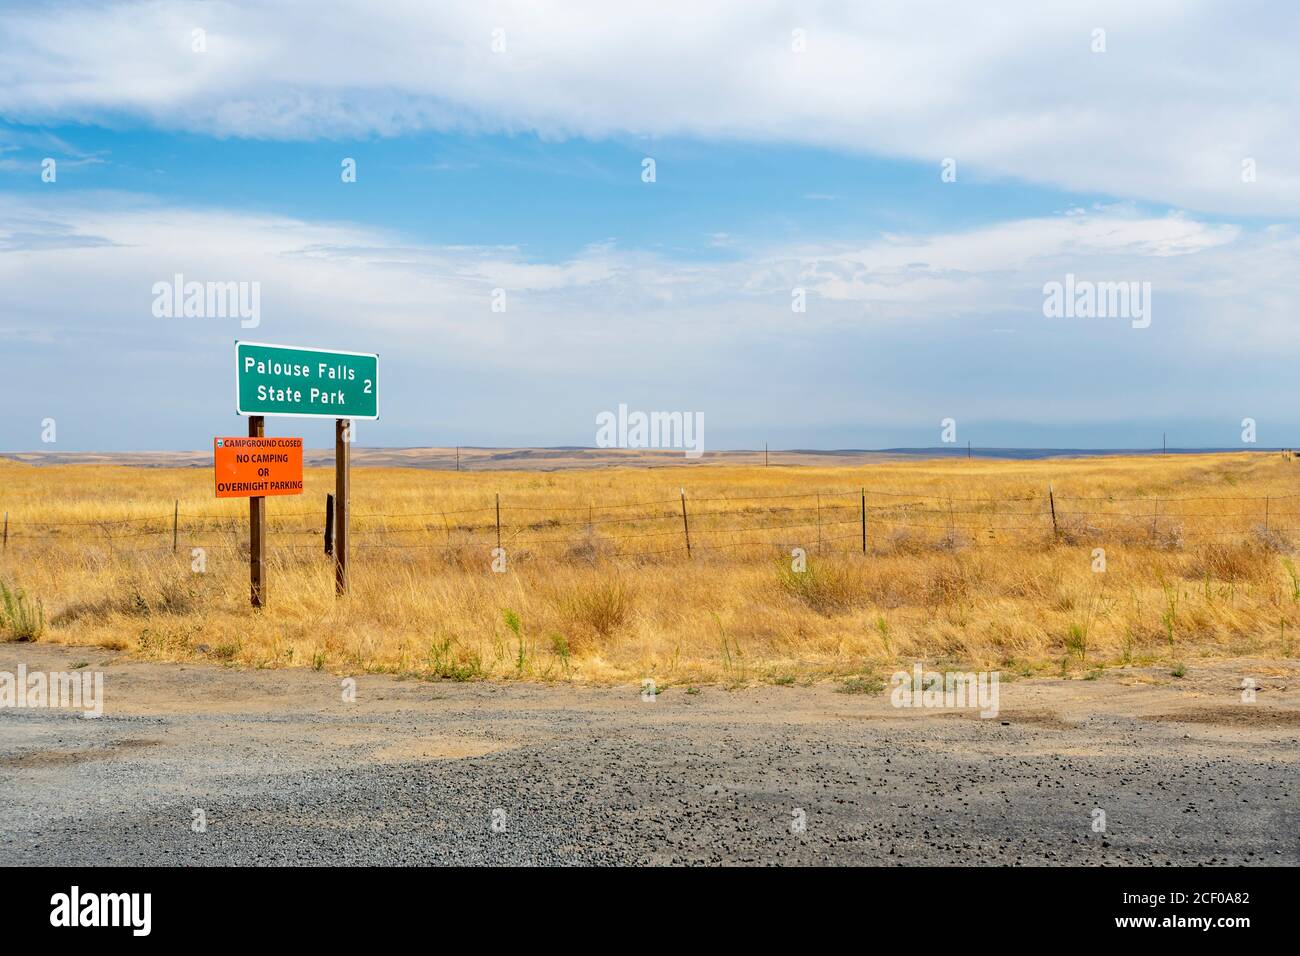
{"x":305,"y":382}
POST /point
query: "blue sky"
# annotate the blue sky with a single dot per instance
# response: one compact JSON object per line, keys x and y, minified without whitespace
{"x":776,"y":170}
{"x":549,"y":197}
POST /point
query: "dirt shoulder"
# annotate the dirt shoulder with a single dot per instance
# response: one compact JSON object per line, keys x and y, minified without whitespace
{"x":282,"y":768}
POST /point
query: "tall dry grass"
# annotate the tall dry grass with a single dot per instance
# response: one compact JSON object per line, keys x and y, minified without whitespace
{"x":963,"y":565}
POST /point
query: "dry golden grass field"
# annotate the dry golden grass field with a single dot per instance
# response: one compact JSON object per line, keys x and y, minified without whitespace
{"x":963,"y":565}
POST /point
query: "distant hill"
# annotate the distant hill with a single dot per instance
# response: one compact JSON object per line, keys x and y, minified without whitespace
{"x":560,"y":458}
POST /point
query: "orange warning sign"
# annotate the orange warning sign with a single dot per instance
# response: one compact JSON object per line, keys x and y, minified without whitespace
{"x":257,"y":467}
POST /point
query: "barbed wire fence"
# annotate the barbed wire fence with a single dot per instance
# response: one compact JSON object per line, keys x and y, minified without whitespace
{"x":860,"y":520}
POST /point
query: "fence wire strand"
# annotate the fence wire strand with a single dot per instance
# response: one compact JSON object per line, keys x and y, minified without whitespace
{"x":818,"y":517}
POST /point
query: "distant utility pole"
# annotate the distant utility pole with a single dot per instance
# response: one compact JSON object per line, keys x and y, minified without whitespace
{"x":1164,"y":448}
{"x":458,"y":458}
{"x":968,"y":449}
{"x":764,"y":454}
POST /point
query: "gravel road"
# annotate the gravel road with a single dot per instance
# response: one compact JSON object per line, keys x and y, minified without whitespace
{"x":282,"y":770}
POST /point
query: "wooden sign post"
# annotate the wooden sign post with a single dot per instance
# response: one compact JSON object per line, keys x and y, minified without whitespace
{"x":342,"y":487}
{"x":257,"y":529}
{"x":295,"y":381}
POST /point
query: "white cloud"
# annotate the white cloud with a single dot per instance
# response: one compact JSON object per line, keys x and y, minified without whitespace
{"x":899,"y":329}
{"x":79,"y":263}
{"x":996,"y":267}
{"x":1184,"y":92}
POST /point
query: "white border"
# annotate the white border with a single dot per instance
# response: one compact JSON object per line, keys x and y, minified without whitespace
{"x":306,"y":348}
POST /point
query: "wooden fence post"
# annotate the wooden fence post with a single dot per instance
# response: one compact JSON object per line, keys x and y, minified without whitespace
{"x":498,"y":519}
{"x":176,"y":514}
{"x":686,"y":528}
{"x":864,"y":520}
{"x":329,"y":524}
{"x":1051,"y":498}
{"x":6,"y":546}
{"x":819,"y":523}
{"x":1266,"y":515}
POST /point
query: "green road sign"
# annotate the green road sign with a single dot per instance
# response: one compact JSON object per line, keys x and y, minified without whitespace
{"x":295,"y":382}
